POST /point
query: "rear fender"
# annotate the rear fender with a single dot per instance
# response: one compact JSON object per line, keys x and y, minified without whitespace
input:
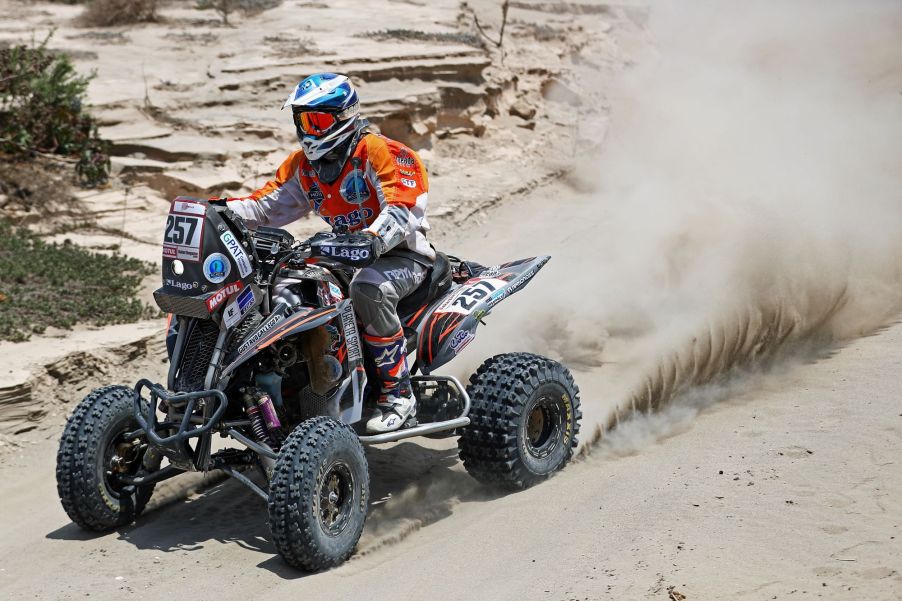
{"x":450,"y":321}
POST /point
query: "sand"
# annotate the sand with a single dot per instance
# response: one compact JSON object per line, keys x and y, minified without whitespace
{"x":774,"y":475}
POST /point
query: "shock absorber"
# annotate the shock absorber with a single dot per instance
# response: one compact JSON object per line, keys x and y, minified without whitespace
{"x":265,"y":423}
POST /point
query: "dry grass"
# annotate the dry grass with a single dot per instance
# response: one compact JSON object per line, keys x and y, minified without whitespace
{"x":105,"y":13}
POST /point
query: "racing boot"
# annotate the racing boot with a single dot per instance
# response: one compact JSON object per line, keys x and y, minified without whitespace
{"x":396,"y":401}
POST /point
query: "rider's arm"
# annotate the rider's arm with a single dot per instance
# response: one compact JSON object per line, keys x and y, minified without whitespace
{"x":401,"y":184}
{"x":279,"y":202}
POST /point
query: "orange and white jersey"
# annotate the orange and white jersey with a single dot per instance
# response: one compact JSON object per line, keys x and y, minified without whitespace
{"x":383,"y":188}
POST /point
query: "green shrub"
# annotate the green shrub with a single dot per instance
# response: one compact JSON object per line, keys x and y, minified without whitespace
{"x":414,"y":35}
{"x":59,"y":285}
{"x":227,"y":7}
{"x":41,"y":98}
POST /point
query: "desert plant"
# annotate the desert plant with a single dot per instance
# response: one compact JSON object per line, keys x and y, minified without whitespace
{"x":227,"y":7}
{"x":41,"y":110}
{"x":59,"y":285}
{"x":441,"y":37}
{"x":104,"y":13}
{"x":505,"y":6}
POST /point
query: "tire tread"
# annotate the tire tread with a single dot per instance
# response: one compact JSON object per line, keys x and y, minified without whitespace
{"x":498,"y":393}
{"x":294,"y":480}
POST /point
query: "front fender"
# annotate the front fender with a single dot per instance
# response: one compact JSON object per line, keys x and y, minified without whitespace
{"x":450,"y":321}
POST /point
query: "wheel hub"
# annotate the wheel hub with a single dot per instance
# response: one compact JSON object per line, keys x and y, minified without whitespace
{"x":544,"y":427}
{"x":126,"y":454}
{"x":335,"y":497}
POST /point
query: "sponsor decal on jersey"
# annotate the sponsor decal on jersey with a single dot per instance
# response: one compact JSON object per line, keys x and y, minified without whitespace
{"x":350,"y":328}
{"x":237,"y":252}
{"x":221,"y":295}
{"x":405,"y":160}
{"x":354,"y":188}
{"x":410,"y":183}
{"x":256,"y":336}
{"x":352,"y":219}
{"x":217,"y":268}
{"x":182,"y":237}
{"x":316,"y":196}
{"x":239,"y":307}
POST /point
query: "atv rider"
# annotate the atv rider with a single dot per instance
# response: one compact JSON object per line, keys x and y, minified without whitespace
{"x":358,"y":181}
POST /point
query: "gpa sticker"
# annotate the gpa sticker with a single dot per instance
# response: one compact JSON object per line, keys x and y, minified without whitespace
{"x":241,"y":259}
{"x":217,"y":268}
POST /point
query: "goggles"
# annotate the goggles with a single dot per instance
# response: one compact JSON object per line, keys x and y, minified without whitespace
{"x":314,"y":124}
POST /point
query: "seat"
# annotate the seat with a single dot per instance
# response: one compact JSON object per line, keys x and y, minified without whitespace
{"x":437,"y":282}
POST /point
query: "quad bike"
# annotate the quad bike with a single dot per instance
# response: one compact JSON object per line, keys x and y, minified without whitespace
{"x":279,"y":369}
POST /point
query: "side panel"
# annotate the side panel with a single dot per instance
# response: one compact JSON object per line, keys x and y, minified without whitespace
{"x":450,"y":323}
{"x":274,"y":328}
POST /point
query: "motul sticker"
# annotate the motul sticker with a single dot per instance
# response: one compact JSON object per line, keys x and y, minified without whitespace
{"x":221,"y":295}
{"x":237,"y":252}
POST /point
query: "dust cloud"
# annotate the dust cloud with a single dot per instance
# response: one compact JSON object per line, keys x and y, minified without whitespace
{"x":745,"y":210}
{"x":744,"y":214}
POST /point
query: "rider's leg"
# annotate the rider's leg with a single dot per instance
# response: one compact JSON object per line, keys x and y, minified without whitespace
{"x":375,"y":292}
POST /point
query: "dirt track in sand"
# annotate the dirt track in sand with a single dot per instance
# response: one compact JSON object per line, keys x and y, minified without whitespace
{"x":788,"y":488}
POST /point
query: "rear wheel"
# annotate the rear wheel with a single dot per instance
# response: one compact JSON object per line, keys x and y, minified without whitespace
{"x":318,"y":494}
{"x":94,"y":453}
{"x":524,"y":420}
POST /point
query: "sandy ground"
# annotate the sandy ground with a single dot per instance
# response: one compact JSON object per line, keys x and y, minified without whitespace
{"x":775,"y":478}
{"x":791,"y":490}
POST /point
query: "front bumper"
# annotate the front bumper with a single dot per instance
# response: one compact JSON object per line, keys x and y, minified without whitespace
{"x":191,"y":415}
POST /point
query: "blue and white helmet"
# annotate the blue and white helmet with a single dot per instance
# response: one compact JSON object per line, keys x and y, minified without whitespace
{"x":315,"y":97}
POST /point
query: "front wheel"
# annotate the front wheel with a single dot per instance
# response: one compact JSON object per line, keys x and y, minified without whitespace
{"x":318,"y":494}
{"x":524,"y":420}
{"x":94,"y":453}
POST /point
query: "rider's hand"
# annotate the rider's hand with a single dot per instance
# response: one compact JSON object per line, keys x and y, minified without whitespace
{"x":377,"y":246}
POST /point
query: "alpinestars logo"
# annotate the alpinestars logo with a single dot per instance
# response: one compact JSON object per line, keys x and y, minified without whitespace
{"x":388,"y":357}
